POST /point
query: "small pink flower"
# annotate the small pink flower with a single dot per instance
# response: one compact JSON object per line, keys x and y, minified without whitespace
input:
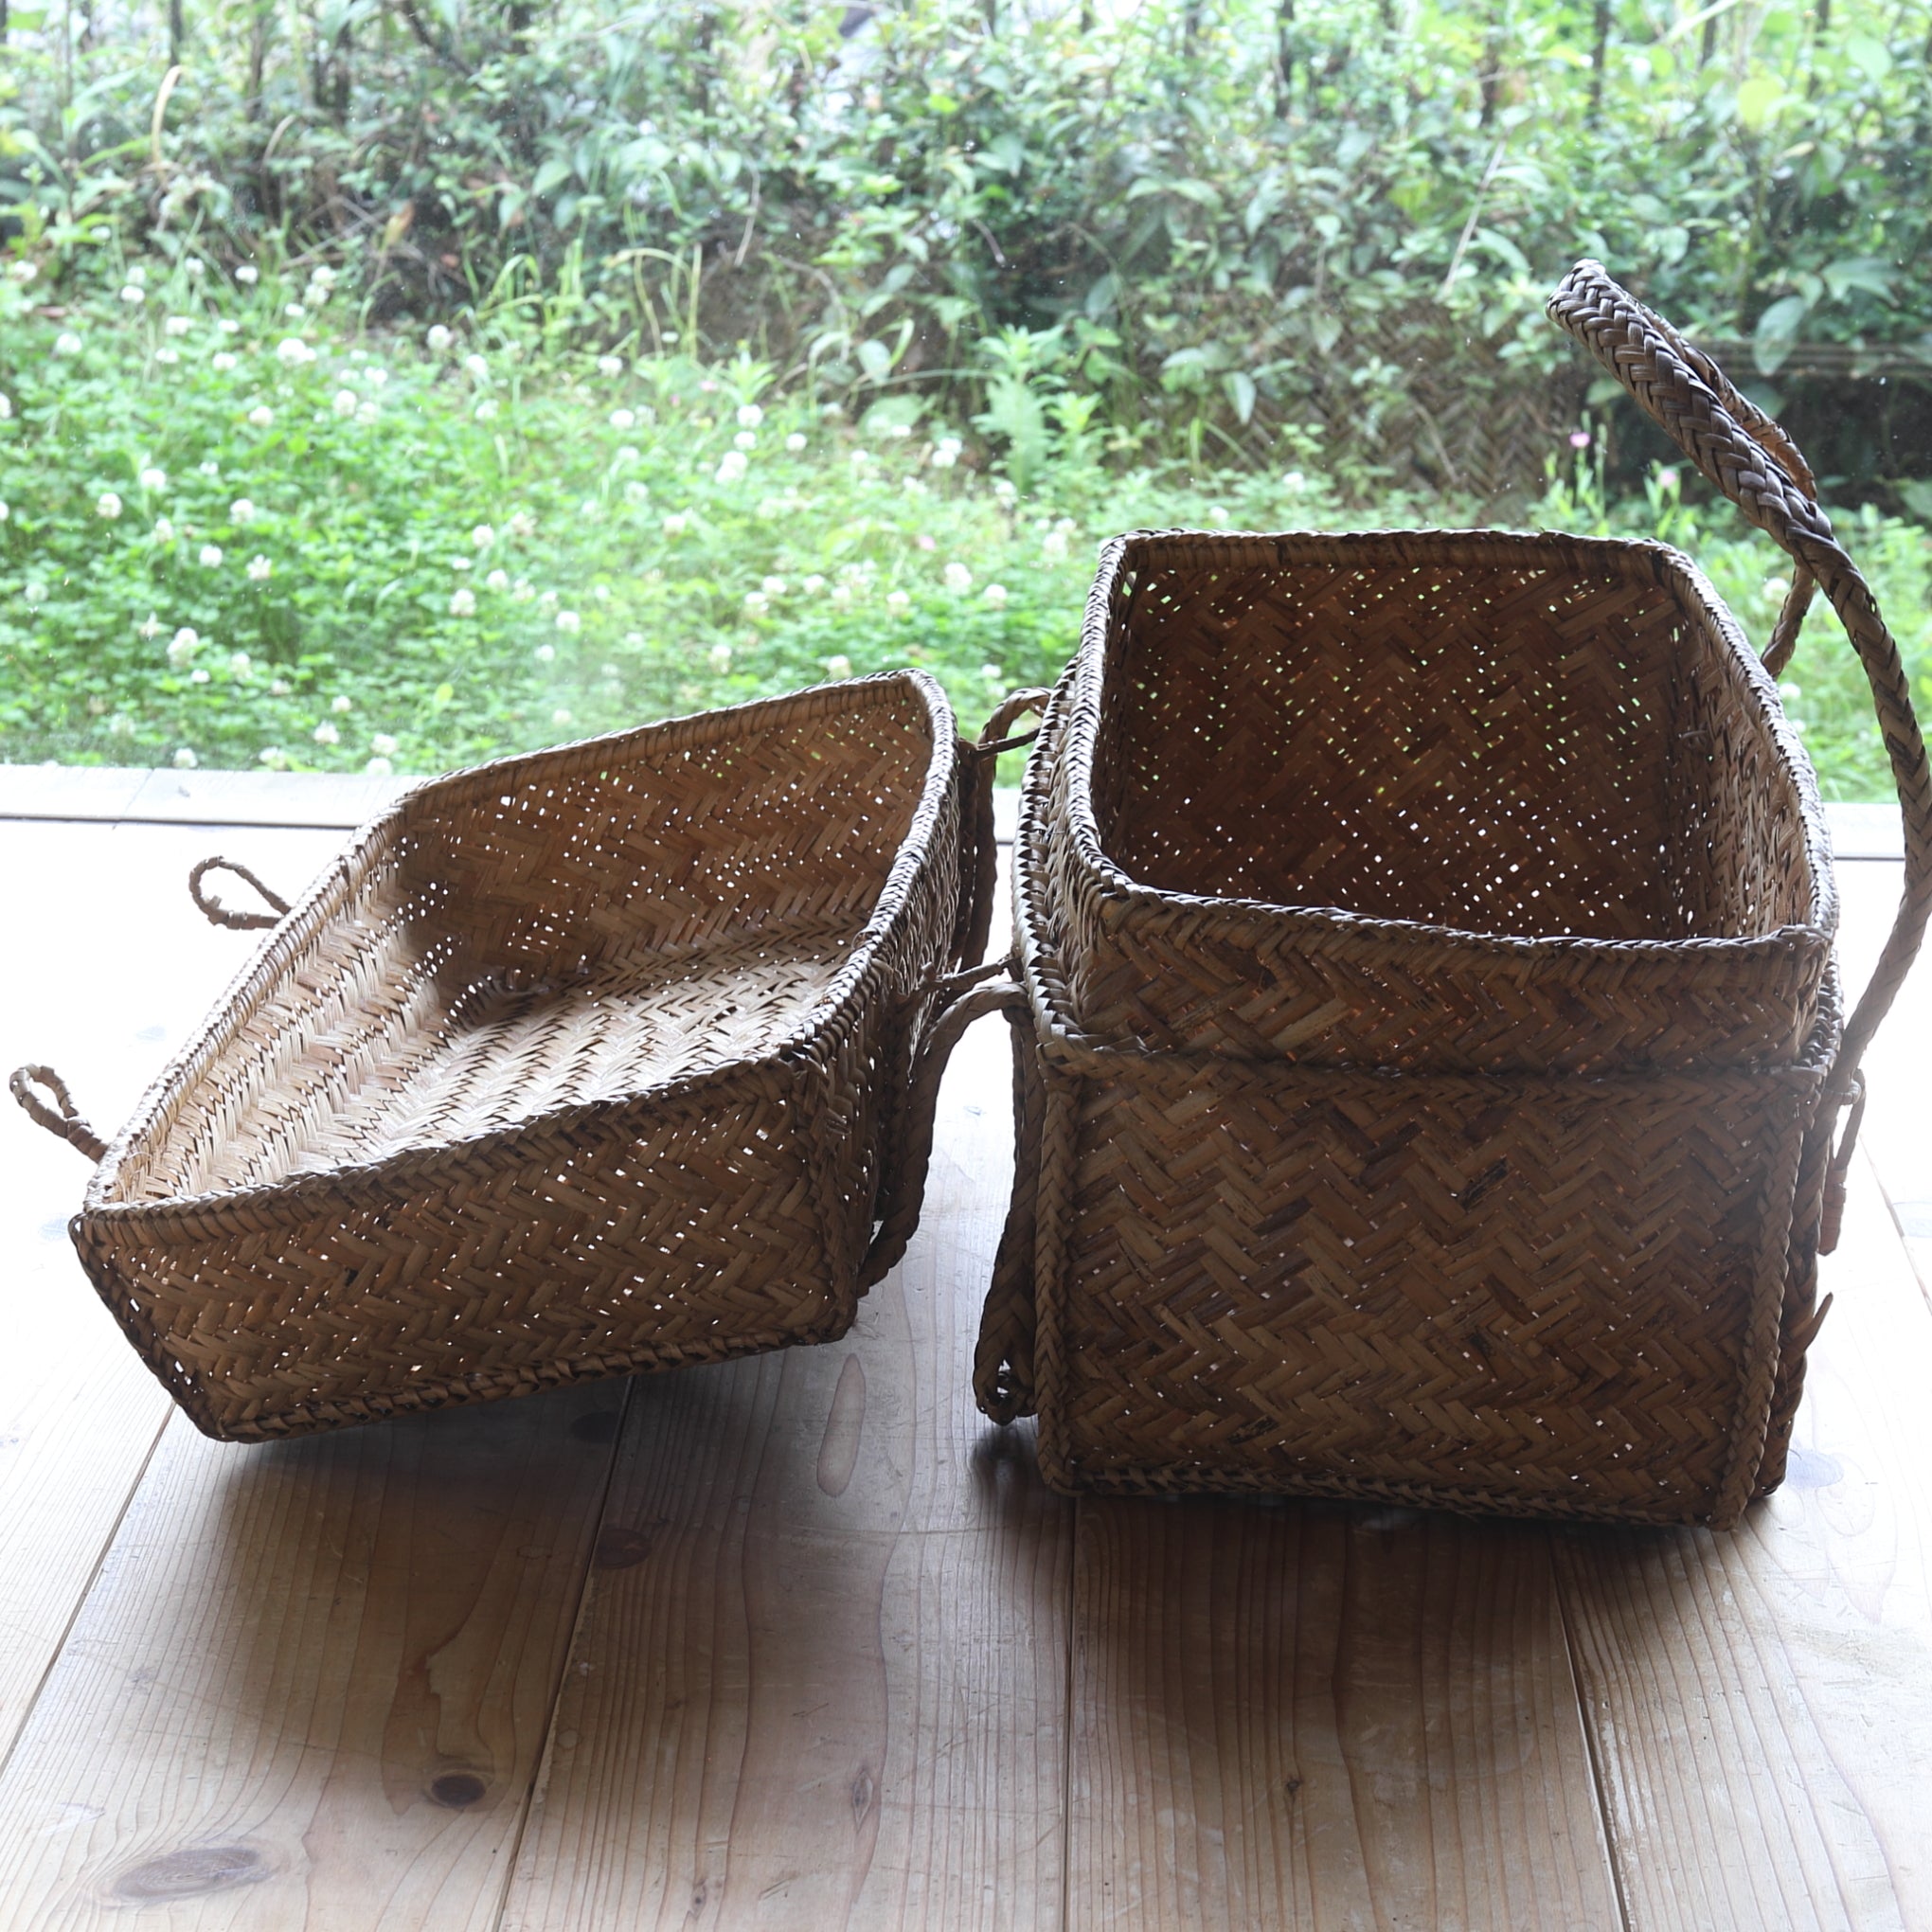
{"x":1580,"y":439}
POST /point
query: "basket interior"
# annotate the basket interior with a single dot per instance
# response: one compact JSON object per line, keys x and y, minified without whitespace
{"x":574,"y":926}
{"x":1517,"y":736}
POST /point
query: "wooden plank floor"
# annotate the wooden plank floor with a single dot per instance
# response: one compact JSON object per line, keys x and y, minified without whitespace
{"x":801,"y":1642}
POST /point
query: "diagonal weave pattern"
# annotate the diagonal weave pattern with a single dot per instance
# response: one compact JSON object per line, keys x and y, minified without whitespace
{"x":575,"y":1064}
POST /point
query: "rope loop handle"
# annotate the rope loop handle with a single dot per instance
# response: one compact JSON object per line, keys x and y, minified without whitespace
{"x":218,"y":913}
{"x":965,"y":996}
{"x":1745,"y":456}
{"x":978,"y":849}
{"x":64,"y":1120}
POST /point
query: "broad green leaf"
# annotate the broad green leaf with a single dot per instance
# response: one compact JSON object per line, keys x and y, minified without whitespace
{"x":1758,"y":99}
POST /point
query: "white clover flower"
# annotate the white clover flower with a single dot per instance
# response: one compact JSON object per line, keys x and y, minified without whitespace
{"x":569,"y":621}
{"x":137,"y":275}
{"x":755,"y":600}
{"x":772,"y":587}
{"x":795,"y":441}
{"x":459,"y":563}
{"x":959,"y":579}
{"x":812,"y":584}
{"x":520,"y":523}
{"x":993,"y":674}
{"x":274,"y":756}
{"x":228,"y":326}
{"x":497,"y":579}
{"x":995,"y":594}
{"x":1053,"y":546}
{"x":841,"y":593}
{"x":482,"y":536}
{"x":522,"y":593}
{"x":324,"y":277}
{"x":221,"y":362}
{"x":279,"y":688}
{"x":341,"y":705}
{"x":635,"y":493}
{"x":437,"y":339}
{"x":379,"y":767}
{"x":840,"y":666}
{"x":624,"y":418}
{"x":676,"y":524}
{"x":178,"y":325}
{"x":368,"y":412}
{"x":1217,"y":515}
{"x":194,"y":268}
{"x":291,"y":352}
{"x":486,"y":410}
{"x":35,"y":594}
{"x":1295,"y":481}
{"x":610,"y":365}
{"x":561,"y":716}
{"x":247,"y":275}
{"x":149,"y":631}
{"x":945,"y":453}
{"x":627,"y":453}
{"x":376,"y":376}
{"x":897,"y":600}
{"x":749,"y":416}
{"x":240,"y":665}
{"x":164,"y":530}
{"x":108,"y":505}
{"x":167,"y":355}
{"x":261,"y":416}
{"x":1005,"y":492}
{"x":601,"y":592}
{"x":133,"y":296}
{"x":293,"y":311}
{"x":152,"y":480}
{"x":211,"y":555}
{"x":720,"y":656}
{"x":731,"y":466}
{"x":5,"y":512}
{"x":6,"y":407}
{"x":1790,"y":693}
{"x":545,"y":653}
{"x":325,"y":733}
{"x":476,"y":367}
{"x":745,"y":440}
{"x":463,"y":602}
{"x":383,"y":744}
{"x":197,"y":677}
{"x":184,"y":759}
{"x":185,"y":642}
{"x":24,"y":271}
{"x":260,"y":569}
{"x":344,"y":403}
{"x":67,"y":342}
{"x":241,"y":511}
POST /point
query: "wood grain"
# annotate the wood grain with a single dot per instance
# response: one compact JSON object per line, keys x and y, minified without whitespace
{"x":1310,"y":1715}
{"x":820,"y":1677}
{"x":1761,"y":1703}
{"x":110,"y":969}
{"x":309,"y":1687}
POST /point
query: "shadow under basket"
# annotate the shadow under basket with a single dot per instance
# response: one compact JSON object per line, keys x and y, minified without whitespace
{"x":583,"y":1062}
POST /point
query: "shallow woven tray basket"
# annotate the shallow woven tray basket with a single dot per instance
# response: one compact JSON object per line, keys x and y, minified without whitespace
{"x":579,"y":1064}
{"x":1427,"y":1045}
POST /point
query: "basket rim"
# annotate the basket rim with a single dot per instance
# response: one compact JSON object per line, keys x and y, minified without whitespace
{"x":241,"y":1208}
{"x":1041,"y":971}
{"x":1128,"y":900}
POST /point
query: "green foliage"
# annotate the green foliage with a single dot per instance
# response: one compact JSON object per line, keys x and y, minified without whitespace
{"x":1214,"y":216}
{"x":239,"y":527}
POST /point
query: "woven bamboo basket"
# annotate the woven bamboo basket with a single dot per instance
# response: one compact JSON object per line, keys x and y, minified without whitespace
{"x":579,"y":1064}
{"x":1484,"y":1223}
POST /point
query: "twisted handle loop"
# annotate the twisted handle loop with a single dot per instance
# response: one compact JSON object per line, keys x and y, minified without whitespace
{"x":978,"y":854}
{"x":1754,"y":463}
{"x":67,"y":1121}
{"x":967,"y":996}
{"x":218,"y":913}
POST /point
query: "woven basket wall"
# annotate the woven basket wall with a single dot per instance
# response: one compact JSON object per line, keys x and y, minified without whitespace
{"x":1456,"y":800}
{"x":1428,"y":1052}
{"x":583,"y":1062}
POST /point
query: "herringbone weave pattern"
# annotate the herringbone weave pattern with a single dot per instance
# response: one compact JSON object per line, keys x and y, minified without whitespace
{"x":1436,"y":1105}
{"x":585,"y":1063}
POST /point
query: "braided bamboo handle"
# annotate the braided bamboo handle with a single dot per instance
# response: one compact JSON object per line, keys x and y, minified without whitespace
{"x":67,"y":1121}
{"x":1753,"y":462}
{"x":969,"y":996}
{"x":218,"y":913}
{"x":980,"y":856}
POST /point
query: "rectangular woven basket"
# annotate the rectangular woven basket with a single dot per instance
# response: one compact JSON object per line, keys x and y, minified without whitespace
{"x":1427,"y":1045}
{"x":583,"y":1062}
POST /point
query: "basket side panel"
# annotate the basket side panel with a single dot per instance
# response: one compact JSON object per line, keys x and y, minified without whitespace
{"x":1561,"y":1304}
{"x":634,"y":1239}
